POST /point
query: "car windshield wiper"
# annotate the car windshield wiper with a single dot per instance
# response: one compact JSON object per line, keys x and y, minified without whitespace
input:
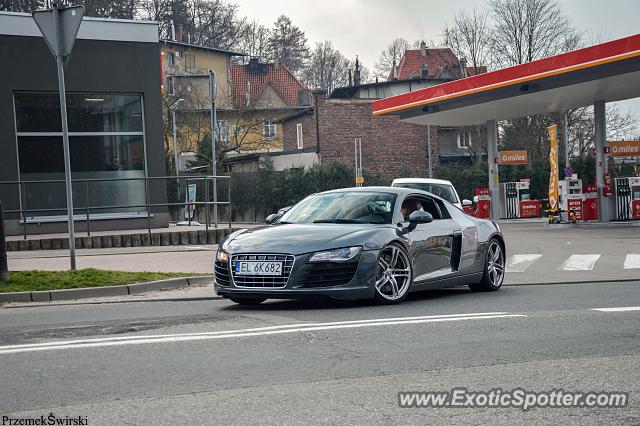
{"x":338,"y":221}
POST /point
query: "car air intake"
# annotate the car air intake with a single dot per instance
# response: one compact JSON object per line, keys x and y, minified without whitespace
{"x":221,"y":273}
{"x":327,"y":274}
{"x":262,"y":281}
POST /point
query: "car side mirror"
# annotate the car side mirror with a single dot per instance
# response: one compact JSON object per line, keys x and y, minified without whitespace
{"x":271,"y":218}
{"x":417,"y":217}
{"x":467,"y":203}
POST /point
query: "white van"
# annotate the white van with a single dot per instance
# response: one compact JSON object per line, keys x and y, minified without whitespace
{"x":441,"y":188}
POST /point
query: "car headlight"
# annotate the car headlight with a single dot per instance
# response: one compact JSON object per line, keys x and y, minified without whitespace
{"x":338,"y":255}
{"x":222,"y":256}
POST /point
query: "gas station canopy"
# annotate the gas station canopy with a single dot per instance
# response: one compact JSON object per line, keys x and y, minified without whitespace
{"x":604,"y":72}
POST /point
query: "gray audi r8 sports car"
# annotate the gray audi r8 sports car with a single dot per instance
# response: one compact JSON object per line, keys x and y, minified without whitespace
{"x":356,"y":243}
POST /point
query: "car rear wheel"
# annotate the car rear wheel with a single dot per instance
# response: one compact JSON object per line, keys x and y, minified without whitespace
{"x":393,"y":275}
{"x":494,"y":265}
{"x":247,"y":301}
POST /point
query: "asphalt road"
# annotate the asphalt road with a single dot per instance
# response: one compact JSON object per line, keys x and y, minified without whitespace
{"x":285,"y":362}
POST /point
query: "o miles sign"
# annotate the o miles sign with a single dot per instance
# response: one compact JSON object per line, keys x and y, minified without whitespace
{"x":513,"y":157}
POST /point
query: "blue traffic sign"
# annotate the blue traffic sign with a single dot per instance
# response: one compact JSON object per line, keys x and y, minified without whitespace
{"x":568,"y":171}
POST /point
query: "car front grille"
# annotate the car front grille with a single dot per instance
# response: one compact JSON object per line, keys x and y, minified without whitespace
{"x":264,"y":281}
{"x":326,"y":274}
{"x":221,"y":273}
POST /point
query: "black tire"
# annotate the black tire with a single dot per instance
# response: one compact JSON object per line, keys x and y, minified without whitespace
{"x":384,"y":294}
{"x":246,"y":301}
{"x":494,"y":268}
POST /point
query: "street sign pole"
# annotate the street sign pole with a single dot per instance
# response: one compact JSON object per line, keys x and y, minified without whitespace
{"x":59,"y":27}
{"x":212,"y":93}
{"x":65,"y":143}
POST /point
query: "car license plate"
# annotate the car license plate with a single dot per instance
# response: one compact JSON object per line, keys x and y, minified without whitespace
{"x":258,"y":268}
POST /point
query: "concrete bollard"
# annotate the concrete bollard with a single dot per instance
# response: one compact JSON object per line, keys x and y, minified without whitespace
{"x":4,"y":267}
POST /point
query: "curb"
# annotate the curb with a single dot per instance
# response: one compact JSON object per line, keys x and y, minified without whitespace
{"x":106,"y":291}
{"x":619,"y":280}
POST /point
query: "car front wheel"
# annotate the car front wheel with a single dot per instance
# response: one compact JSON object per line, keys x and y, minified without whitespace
{"x":393,"y":275}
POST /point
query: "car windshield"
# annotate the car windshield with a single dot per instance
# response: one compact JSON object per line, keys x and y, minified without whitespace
{"x":442,"y":190}
{"x":343,"y":207}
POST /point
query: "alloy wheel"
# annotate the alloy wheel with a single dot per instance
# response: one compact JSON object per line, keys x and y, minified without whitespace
{"x":495,"y":264}
{"x":393,"y":273}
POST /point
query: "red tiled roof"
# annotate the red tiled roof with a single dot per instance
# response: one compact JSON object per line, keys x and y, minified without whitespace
{"x":476,"y":70}
{"x":279,"y":77}
{"x":441,"y":63}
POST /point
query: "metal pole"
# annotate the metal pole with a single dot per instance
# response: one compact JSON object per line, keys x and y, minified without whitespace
{"x":65,"y":136}
{"x":175,"y":148}
{"x":429,"y":150}
{"x":214,"y":165}
{"x":492,"y":156}
{"x":4,"y":268}
{"x":566,"y":138}
{"x":355,"y":156}
{"x":360,"y":157}
{"x":601,"y":159}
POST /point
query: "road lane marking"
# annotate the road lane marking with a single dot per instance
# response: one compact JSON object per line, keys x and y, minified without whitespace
{"x":632,"y":261}
{"x":580,"y":262}
{"x":520,"y":262}
{"x":263,"y":331}
{"x":621,"y":309}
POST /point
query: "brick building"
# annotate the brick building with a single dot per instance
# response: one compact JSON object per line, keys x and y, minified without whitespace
{"x":325,"y":131}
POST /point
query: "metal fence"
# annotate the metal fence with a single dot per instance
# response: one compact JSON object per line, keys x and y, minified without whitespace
{"x":210,"y":203}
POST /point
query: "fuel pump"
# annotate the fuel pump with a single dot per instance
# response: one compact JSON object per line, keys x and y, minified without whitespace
{"x":623,"y":198}
{"x":570,"y":195}
{"x":511,"y":195}
{"x":634,"y":184}
{"x":483,"y":203}
{"x":590,"y":202}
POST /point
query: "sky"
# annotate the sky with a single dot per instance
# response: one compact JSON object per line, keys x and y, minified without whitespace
{"x":366,"y":27}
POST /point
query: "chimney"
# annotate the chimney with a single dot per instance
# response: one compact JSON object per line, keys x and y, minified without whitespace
{"x":173,"y":31}
{"x":423,"y":48}
{"x":394,"y":71}
{"x":424,"y":71}
{"x":463,"y":67}
{"x":356,"y":73}
{"x":179,"y":32}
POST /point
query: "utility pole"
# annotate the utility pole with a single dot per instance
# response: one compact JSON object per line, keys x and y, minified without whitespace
{"x":214,"y":167}
{"x":59,"y":26}
{"x":175,"y":143}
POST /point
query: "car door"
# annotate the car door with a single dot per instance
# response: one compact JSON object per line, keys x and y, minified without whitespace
{"x":433,"y":242}
{"x":466,"y":249}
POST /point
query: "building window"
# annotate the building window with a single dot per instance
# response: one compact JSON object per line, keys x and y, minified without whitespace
{"x":464,"y":139}
{"x":172,"y":59}
{"x":299,"y":135}
{"x":189,"y":62}
{"x":106,"y":141}
{"x":270,"y":130}
{"x":171,"y":85}
{"x":223,"y":131}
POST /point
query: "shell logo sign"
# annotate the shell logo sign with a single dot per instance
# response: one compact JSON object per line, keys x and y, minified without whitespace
{"x":514,"y":157}
{"x":624,"y":148}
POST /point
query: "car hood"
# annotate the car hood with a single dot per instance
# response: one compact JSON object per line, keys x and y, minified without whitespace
{"x":303,"y":238}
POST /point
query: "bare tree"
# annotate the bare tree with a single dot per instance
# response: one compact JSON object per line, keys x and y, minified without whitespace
{"x":527,"y":30}
{"x":214,"y":23}
{"x":390,"y":57}
{"x":620,"y":123}
{"x":470,"y":37}
{"x":288,"y":45}
{"x":254,"y":41}
{"x":327,"y":69}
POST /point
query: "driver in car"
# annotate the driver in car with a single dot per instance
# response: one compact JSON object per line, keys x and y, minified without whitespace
{"x":409,"y":206}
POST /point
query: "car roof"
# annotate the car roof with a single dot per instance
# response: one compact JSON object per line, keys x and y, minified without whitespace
{"x":421,"y":180}
{"x":388,"y":189}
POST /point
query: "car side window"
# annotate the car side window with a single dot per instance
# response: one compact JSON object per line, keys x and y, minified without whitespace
{"x":411,"y":204}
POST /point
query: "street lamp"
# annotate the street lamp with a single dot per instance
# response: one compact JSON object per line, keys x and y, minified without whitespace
{"x":175,"y":137}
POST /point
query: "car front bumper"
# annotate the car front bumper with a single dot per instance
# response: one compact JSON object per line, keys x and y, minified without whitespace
{"x":361,"y":285}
